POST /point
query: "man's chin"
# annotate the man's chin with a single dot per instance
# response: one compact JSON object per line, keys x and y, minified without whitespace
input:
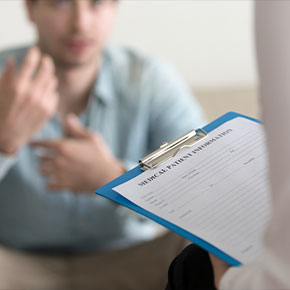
{"x":74,"y":63}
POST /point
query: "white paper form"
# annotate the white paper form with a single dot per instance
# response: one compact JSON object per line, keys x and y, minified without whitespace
{"x":217,"y":189}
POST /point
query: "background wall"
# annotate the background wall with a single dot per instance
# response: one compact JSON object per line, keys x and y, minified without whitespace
{"x":209,"y":42}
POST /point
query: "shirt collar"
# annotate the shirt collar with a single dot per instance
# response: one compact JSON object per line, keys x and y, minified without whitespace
{"x":104,"y":89}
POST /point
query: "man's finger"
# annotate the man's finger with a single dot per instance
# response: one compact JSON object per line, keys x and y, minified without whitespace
{"x":30,"y":64}
{"x":75,"y":128}
{"x":55,"y":186}
{"x":48,"y":144}
{"x":47,"y":159}
{"x":50,"y":95}
{"x":50,"y":86}
{"x":44,"y":72}
{"x":54,"y":183}
{"x":53,"y":162}
{"x":9,"y":70}
{"x":46,"y":170}
{"x":47,"y":164}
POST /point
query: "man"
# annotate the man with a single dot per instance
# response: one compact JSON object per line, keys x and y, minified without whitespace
{"x":74,"y":114}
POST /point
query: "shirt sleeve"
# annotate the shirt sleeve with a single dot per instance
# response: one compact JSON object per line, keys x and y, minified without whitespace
{"x":272,"y":270}
{"x":174,"y":109}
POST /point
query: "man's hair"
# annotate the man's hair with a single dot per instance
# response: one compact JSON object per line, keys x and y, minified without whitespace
{"x":33,"y":1}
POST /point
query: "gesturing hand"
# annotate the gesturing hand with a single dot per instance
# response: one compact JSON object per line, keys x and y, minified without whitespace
{"x":27,"y":99}
{"x":82,"y":162}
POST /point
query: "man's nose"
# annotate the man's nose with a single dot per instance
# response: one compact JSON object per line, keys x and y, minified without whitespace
{"x":81,"y":17}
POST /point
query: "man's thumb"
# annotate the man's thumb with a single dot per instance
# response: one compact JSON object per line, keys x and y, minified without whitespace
{"x":9,"y":70}
{"x":74,"y":127}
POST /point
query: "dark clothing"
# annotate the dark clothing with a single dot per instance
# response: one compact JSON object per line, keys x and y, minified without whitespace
{"x":191,"y":269}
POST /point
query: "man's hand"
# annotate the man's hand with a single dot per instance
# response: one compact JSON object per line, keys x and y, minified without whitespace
{"x":82,"y":162}
{"x":27,"y":99}
{"x":219,"y":269}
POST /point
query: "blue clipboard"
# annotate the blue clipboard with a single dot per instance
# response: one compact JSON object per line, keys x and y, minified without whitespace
{"x":107,"y":192}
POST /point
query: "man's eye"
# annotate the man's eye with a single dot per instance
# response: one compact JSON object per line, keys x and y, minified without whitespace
{"x":61,"y":2}
{"x":97,"y":2}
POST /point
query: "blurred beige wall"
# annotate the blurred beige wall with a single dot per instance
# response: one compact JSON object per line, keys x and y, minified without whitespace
{"x":217,"y":101}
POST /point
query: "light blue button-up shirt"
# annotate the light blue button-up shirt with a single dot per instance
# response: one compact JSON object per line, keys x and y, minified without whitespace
{"x":137,"y":103}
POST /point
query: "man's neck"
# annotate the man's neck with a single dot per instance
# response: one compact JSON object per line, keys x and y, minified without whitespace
{"x":75,"y":86}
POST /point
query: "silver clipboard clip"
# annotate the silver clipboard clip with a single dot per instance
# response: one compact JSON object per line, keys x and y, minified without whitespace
{"x":169,"y":150}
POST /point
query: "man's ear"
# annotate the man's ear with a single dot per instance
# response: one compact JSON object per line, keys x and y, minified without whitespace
{"x":29,"y":9}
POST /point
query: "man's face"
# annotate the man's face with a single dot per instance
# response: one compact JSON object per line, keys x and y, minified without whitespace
{"x":73,"y":32}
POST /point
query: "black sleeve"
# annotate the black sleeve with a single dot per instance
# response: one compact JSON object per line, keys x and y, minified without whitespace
{"x":191,"y":269}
